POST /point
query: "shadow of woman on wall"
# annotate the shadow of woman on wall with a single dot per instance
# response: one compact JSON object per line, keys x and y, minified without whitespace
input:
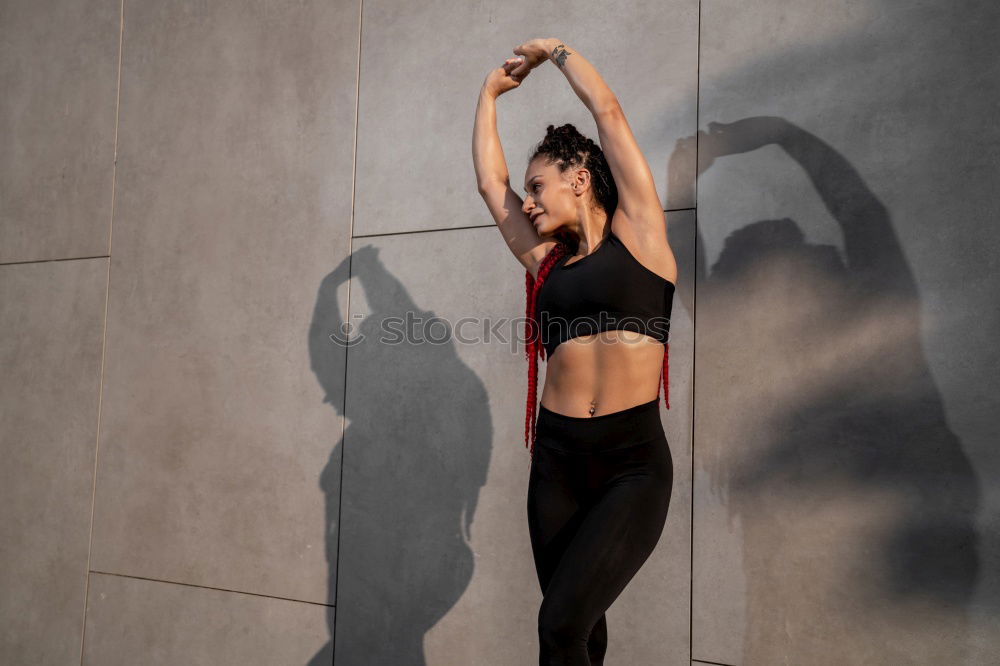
{"x":402,"y":484}
{"x":819,"y":418}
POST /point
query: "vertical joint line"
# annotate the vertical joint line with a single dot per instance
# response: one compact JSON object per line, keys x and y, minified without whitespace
{"x":347,"y":349}
{"x":694,"y":331}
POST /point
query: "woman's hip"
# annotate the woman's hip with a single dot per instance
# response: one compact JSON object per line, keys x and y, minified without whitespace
{"x":591,"y":453}
{"x":599,"y":434}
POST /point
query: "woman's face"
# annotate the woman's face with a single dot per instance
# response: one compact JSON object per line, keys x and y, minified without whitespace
{"x":550,"y":202}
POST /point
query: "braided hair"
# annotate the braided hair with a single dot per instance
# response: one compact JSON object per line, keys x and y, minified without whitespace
{"x":565,"y":147}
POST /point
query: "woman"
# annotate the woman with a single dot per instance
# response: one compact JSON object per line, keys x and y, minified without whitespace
{"x":600,"y":281}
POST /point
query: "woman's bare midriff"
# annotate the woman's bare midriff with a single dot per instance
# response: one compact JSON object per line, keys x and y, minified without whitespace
{"x":606,"y":372}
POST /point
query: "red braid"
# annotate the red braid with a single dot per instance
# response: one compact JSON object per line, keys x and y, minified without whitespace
{"x":666,"y":374}
{"x":533,"y":347}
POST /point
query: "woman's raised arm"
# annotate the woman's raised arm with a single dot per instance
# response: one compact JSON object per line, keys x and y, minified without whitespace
{"x":638,"y":200}
{"x":487,"y":153}
{"x":494,"y":180}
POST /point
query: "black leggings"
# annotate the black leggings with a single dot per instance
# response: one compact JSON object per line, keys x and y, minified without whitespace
{"x":598,"y":494}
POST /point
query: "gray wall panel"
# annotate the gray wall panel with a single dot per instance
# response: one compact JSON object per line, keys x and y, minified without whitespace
{"x":847,"y":288}
{"x":50,"y":352}
{"x":417,"y":104}
{"x":58,"y":97}
{"x":234,"y":190}
{"x":433,"y":539}
{"x":136,"y":621}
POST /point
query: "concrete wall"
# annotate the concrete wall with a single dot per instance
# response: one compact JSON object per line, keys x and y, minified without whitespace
{"x":194,"y":196}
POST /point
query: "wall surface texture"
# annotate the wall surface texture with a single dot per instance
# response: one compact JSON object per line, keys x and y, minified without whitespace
{"x":214,"y":453}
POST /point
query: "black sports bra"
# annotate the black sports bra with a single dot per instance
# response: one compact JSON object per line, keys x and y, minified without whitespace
{"x":608,"y":289}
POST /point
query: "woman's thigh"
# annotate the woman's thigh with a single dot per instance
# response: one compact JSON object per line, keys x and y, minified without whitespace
{"x":594,"y":519}
{"x":556,"y":506}
{"x":613,"y":531}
